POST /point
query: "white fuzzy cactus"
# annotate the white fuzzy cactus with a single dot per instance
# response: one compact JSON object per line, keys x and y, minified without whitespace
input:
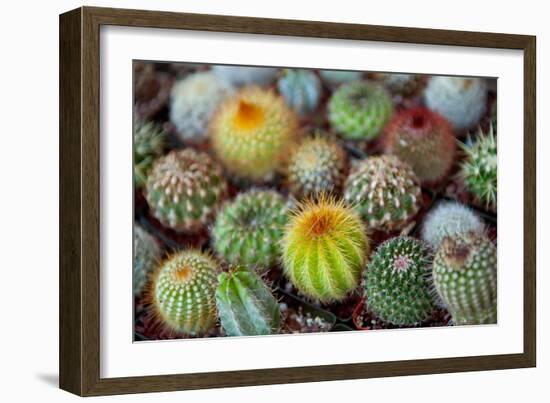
{"x":239,"y":76}
{"x":449,"y":219}
{"x":462,"y":100}
{"x":193,"y":101}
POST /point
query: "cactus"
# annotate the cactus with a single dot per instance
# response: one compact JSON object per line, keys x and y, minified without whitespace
{"x":333,"y":78}
{"x":146,"y":258}
{"x":465,"y":277}
{"x":424,"y":140}
{"x":184,"y":190}
{"x":183,"y":292}
{"x":479,"y":169}
{"x":461,"y":100}
{"x":149,"y":139}
{"x":449,"y":219}
{"x":324,"y":249}
{"x":385,"y":192}
{"x":400,"y":84}
{"x":251,"y":133}
{"x":246,"y":306}
{"x":398,"y":285}
{"x":248,"y":230}
{"x":301,"y":89}
{"x":240,"y":76}
{"x":316,"y":165}
{"x":358,"y":110}
{"x":193,"y":101}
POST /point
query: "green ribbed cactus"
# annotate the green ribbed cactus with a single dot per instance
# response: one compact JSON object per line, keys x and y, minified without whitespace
{"x":479,"y":168}
{"x":324,"y":249}
{"x":316,"y":165}
{"x":358,"y":110}
{"x":146,"y":258}
{"x":149,"y":141}
{"x":246,"y":306}
{"x":465,"y":276}
{"x":424,"y":140}
{"x":184,"y":290}
{"x":385,"y":191}
{"x":248,"y":230}
{"x":398,"y":285}
{"x":184,"y":189}
{"x":252,"y":132}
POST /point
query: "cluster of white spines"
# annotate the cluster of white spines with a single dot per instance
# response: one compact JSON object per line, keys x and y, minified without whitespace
{"x":447,"y":219}
{"x":194,"y":100}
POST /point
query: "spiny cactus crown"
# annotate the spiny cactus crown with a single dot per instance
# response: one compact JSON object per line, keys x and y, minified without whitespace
{"x":398,"y":282}
{"x":384,"y":190}
{"x":184,"y":189}
{"x":248,"y":229}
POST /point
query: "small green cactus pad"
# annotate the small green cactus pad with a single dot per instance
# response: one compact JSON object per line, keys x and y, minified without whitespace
{"x":461,"y":100}
{"x":479,"y":169}
{"x":251,"y":132}
{"x":184,"y":189}
{"x":358,"y":110}
{"x":246,"y":306}
{"x":385,"y":191}
{"x":149,"y":141}
{"x":448,"y":219}
{"x":316,"y":165}
{"x":465,"y":276}
{"x":424,"y":140}
{"x":398,"y":286}
{"x":301,"y":89}
{"x":193,"y":101}
{"x":248,"y":230}
{"x":324,"y":249}
{"x":146,"y":258}
{"x":184,"y":290}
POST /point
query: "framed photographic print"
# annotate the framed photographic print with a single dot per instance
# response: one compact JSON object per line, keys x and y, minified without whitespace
{"x":249,"y":201}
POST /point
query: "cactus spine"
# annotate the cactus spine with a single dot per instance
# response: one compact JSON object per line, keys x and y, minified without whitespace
{"x":149,"y":141}
{"x":146,"y":258}
{"x":424,"y":140}
{"x":385,"y":192}
{"x":251,"y":132}
{"x":324,"y":249}
{"x":184,"y":189}
{"x":316,"y":165}
{"x":248,"y":230}
{"x":246,"y":306}
{"x":449,"y":219}
{"x":359,"y":110}
{"x":479,"y":169}
{"x":184,"y":290}
{"x":398,"y":285}
{"x":465,"y":276}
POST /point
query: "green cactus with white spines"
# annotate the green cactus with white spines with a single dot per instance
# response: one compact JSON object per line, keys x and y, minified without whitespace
{"x":398,"y":286}
{"x":324,"y":249}
{"x":184,"y":189}
{"x":479,"y":168}
{"x":384,"y":191}
{"x":146,"y":258}
{"x":149,"y":139}
{"x":359,"y":110}
{"x":246,"y":306}
{"x":449,"y":219}
{"x":183,"y":292}
{"x":248,"y":229}
{"x":465,"y":277}
{"x":318,"y":164}
{"x":301,"y":90}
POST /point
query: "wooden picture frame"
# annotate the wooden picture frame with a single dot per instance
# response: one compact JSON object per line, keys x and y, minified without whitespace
{"x":80,"y":200}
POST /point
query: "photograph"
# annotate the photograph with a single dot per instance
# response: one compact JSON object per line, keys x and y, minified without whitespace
{"x":277,"y":201}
